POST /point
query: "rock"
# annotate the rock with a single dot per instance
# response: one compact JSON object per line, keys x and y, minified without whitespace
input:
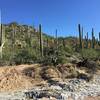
{"x":55,"y":87}
{"x":84,"y":76}
{"x":73,"y":59}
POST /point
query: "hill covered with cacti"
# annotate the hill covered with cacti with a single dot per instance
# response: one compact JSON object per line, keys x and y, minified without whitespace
{"x":27,"y":44}
{"x":42,"y":66}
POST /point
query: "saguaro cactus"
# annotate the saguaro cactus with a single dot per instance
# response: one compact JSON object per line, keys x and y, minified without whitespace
{"x":13,"y":26}
{"x":93,"y":39}
{"x":28,"y":38}
{"x":80,"y":36}
{"x":2,"y":30}
{"x":47,"y":42}
{"x":41,"y":41}
{"x":56,"y":37}
{"x":87,"y":40}
{"x":2,"y":35}
{"x":63,"y":42}
{"x":99,"y":37}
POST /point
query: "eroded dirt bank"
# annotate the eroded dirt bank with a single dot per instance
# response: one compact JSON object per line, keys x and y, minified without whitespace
{"x":40,"y":82}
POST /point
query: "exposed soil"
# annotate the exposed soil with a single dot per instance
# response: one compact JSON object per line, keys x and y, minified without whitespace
{"x":15,"y":78}
{"x":19,"y":77}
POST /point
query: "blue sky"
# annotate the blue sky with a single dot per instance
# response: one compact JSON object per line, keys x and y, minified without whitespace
{"x":63,"y":15}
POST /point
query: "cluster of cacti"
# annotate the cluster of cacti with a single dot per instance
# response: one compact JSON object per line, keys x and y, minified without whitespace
{"x":83,"y":42}
{"x":87,"y":42}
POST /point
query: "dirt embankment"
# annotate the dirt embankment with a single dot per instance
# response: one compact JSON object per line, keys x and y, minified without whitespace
{"x":26,"y":76}
{"x":19,"y":77}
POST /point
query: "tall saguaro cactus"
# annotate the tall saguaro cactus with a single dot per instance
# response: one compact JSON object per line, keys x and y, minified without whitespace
{"x":93,"y":39}
{"x":63,"y":42}
{"x":2,"y":30}
{"x":56,"y":38}
{"x":28,"y":36}
{"x":80,"y":35}
{"x":87,"y":40}
{"x":13,"y":26}
{"x":13,"y":33}
{"x":2,"y":36}
{"x":99,"y":36}
{"x":41,"y":41}
{"x":99,"y":39}
{"x":47,"y":42}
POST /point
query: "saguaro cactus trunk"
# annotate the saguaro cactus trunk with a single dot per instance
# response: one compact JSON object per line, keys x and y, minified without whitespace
{"x":41,"y":41}
{"x":2,"y":39}
{"x":99,"y":39}
{"x":93,"y":39}
{"x":80,"y":36}
{"x":56,"y":41}
{"x":13,"y":38}
{"x":87,"y":40}
{"x":63,"y":42}
{"x":2,"y":36}
{"x":28,"y":36}
{"x":47,"y":42}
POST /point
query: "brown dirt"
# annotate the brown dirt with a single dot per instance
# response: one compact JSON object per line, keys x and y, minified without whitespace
{"x":15,"y":78}
{"x":92,"y":98}
{"x":20,"y":77}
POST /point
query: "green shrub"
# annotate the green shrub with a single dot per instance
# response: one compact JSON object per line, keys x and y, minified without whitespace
{"x":54,"y":56}
{"x":25,"y":56}
{"x":89,"y":54}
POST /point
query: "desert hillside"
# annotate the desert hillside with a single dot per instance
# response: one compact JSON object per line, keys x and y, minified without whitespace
{"x":36,"y":66}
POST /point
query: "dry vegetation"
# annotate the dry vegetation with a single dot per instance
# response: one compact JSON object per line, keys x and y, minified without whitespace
{"x":14,"y":78}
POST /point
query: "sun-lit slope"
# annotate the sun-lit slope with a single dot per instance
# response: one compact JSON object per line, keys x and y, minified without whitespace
{"x":21,"y":77}
{"x":18,"y":77}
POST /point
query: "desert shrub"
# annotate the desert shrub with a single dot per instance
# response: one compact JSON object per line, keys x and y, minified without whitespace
{"x":25,"y":56}
{"x":98,"y":54}
{"x":54,"y":56}
{"x":68,"y":49}
{"x":89,"y":54}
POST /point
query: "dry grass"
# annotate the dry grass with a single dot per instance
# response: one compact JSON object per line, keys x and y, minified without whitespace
{"x":14,"y":78}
